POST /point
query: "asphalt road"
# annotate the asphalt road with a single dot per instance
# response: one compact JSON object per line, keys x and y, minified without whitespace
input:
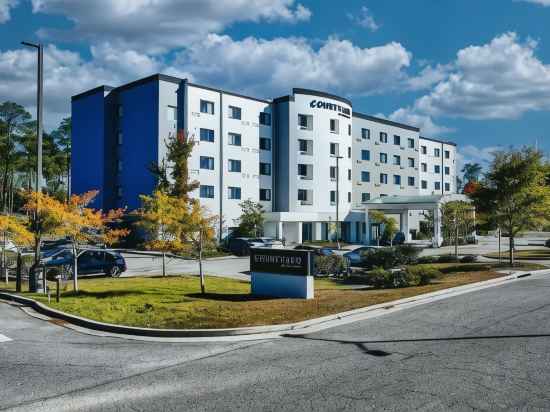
{"x":486,"y":350}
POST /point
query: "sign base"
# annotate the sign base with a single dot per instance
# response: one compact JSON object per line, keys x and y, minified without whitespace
{"x":282,"y":286}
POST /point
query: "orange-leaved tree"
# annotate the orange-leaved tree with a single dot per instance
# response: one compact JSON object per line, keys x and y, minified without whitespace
{"x":15,"y":230}
{"x":74,"y":220}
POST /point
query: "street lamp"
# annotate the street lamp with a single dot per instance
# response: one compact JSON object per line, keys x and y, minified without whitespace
{"x":337,"y":198}
{"x":39,"y":105}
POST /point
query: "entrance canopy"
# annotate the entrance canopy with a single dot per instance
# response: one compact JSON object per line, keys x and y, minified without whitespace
{"x":403,"y":204}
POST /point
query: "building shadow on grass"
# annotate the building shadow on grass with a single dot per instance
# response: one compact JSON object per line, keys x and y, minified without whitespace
{"x":103,"y":294}
{"x":229,"y":297}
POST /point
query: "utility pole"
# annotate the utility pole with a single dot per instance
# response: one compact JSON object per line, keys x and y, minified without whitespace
{"x":338,"y":199}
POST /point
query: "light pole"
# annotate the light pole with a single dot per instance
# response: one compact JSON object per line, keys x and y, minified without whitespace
{"x":39,"y":105}
{"x":338,"y":198}
{"x":39,"y":127}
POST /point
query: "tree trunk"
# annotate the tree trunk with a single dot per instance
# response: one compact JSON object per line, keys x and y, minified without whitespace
{"x":75,"y":267}
{"x":163,"y":263}
{"x":511,"y":252}
{"x":203,"y":289}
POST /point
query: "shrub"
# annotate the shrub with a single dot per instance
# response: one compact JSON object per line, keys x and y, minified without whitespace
{"x":468,"y":259}
{"x":427,"y":259}
{"x":387,"y":258}
{"x":330,"y":265}
{"x":421,"y":274}
{"x":448,"y":259}
{"x":386,"y":279}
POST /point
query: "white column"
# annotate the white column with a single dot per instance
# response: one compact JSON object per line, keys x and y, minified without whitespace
{"x":405,"y":225}
{"x":280,"y":233}
{"x":299,"y":232}
{"x":438,"y":238}
{"x":317,"y":230}
{"x":367,"y":239}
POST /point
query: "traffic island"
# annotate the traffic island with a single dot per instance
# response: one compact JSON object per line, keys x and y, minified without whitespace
{"x":176,"y":302}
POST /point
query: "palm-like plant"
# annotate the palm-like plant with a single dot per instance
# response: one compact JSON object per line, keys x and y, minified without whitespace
{"x":471,"y":172}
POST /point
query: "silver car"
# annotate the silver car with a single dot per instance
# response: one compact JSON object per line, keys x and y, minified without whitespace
{"x":355,"y":256}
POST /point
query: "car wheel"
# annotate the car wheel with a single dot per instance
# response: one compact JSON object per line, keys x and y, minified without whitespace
{"x":115,"y":272}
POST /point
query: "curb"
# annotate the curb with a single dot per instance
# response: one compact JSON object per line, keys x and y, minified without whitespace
{"x":261,"y":330}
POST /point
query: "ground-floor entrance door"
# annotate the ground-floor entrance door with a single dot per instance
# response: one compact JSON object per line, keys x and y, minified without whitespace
{"x":307,"y":232}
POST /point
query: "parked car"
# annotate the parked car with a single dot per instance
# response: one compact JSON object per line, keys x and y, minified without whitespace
{"x":90,"y":262}
{"x":398,"y":239}
{"x":355,"y":256}
{"x":319,"y":251}
{"x":241,"y":246}
{"x":9,"y":245}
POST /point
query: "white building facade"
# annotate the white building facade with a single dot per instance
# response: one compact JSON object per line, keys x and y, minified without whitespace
{"x":308,"y":158}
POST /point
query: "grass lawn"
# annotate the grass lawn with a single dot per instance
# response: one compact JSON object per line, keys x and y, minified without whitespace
{"x":534,"y":254}
{"x":176,"y":302}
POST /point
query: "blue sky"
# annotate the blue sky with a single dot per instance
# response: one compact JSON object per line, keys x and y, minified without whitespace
{"x":474,"y":72}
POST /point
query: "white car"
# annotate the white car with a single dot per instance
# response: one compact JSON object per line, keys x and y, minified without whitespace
{"x":9,"y":245}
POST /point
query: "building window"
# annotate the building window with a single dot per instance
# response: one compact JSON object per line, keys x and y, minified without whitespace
{"x":447,"y":187}
{"x":119,"y":191}
{"x":234,"y":165}
{"x":234,"y":112}
{"x":411,"y":143}
{"x":397,"y":140}
{"x":302,"y":195}
{"x":424,"y":167}
{"x":333,"y":196}
{"x":423,"y":149}
{"x":447,"y":154}
{"x":383,"y":137}
{"x":302,"y":170}
{"x":437,"y":169}
{"x":207,"y":107}
{"x":365,"y":197}
{"x":396,"y":160}
{"x":437,"y":152}
{"x":234,"y":192}
{"x":120,"y":110}
{"x":349,"y":152}
{"x":234,"y":139}
{"x":334,"y":149}
{"x":265,"y":169}
{"x":365,"y":176}
{"x":119,"y":166}
{"x":410,"y":180}
{"x":383,"y":158}
{"x":349,"y":129}
{"x":447,"y":170}
{"x":349,"y":197}
{"x":332,"y":172}
{"x":365,"y":154}
{"x":411,"y":161}
{"x":171,"y":113}
{"x":437,"y":186}
{"x":424,"y":184}
{"x":207,"y":192}
{"x":265,"y":119}
{"x":265,"y":143}
{"x":349,"y":174}
{"x":207,"y":163}
{"x":119,"y":138}
{"x":305,"y":121}
{"x":302,"y":144}
{"x":207,"y":135}
{"x":265,"y":195}
{"x":334,"y":126}
{"x":396,"y":180}
{"x":383,"y":178}
{"x":365,"y":134}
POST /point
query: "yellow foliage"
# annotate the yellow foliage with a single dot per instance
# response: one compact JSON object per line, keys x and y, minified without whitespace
{"x":15,"y":230}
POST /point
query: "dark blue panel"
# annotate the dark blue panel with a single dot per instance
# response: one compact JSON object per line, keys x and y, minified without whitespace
{"x":139,"y":125}
{"x":87,"y":165}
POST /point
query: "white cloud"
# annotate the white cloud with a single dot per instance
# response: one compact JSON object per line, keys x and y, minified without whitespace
{"x":545,"y":3}
{"x":475,"y":154}
{"x":161,"y":25}
{"x":5,"y":7}
{"x":499,"y":80}
{"x":364,"y":19}
{"x":426,"y":124}
{"x":272,"y":67}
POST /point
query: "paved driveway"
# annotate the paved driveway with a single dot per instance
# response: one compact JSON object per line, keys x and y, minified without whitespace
{"x":486,"y":350}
